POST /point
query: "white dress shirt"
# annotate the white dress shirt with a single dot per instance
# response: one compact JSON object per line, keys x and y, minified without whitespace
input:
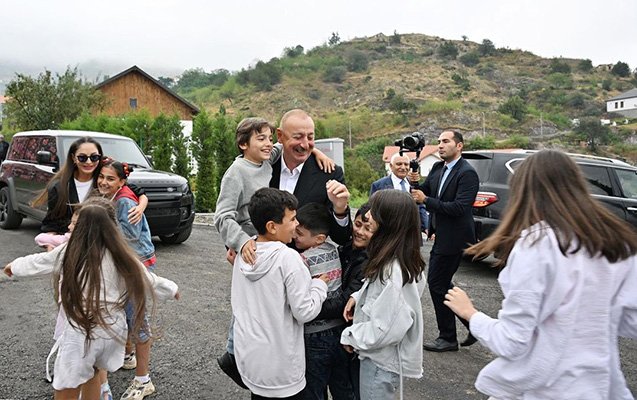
{"x":396,"y":182}
{"x":556,"y":334}
{"x":289,"y":178}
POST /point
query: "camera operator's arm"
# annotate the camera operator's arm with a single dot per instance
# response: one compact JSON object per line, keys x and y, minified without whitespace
{"x":417,"y":191}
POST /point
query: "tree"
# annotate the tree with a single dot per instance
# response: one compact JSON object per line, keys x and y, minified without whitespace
{"x":48,"y":100}
{"x":181,"y":154}
{"x":560,"y":66}
{"x":162,"y":152}
{"x":395,"y":38}
{"x":621,"y":69}
{"x":464,"y":38}
{"x":514,"y":107}
{"x":202,"y":148}
{"x":223,"y":147}
{"x":470,"y":59}
{"x":293,"y":51}
{"x":486,"y":48}
{"x":334,"y":39}
{"x":334,"y":74}
{"x":356,"y":61}
{"x":448,"y":50}
{"x":593,"y":132}
{"x":585,"y":65}
{"x":166,"y":81}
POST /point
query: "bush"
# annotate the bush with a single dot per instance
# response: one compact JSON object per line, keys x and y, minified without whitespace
{"x":461,"y":81}
{"x":479,"y":143}
{"x":439,"y":107}
{"x":515,"y":107}
{"x":470,"y":59}
{"x":356,"y":61}
{"x":621,"y":69}
{"x":585,"y":65}
{"x":558,"y":66}
{"x":486,"y":48}
{"x":334,"y":74}
{"x":560,"y":80}
{"x":448,"y":50}
{"x":359,"y":174}
{"x":518,"y":142}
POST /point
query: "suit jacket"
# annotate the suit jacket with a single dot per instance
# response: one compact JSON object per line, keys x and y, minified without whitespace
{"x":453,"y":209}
{"x":386,"y":183}
{"x":310,"y":188}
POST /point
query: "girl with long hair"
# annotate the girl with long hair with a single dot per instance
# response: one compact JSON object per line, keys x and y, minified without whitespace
{"x":98,"y":274}
{"x":569,"y":289}
{"x":72,"y":184}
{"x":112,"y":184}
{"x":387,"y":316}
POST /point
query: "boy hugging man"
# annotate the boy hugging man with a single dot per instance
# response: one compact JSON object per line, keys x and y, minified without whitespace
{"x":271,"y":300}
{"x":326,"y":361}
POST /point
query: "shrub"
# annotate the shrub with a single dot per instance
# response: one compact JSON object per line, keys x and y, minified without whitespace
{"x":448,"y":50}
{"x":517,"y":141}
{"x":461,"y":81}
{"x":470,"y":59}
{"x":560,"y":66}
{"x":621,"y":69}
{"x":335,"y":74}
{"x":486,"y":48}
{"x":585,"y":65}
{"x":356,"y":61}
{"x":515,"y":107}
{"x":479,"y":143}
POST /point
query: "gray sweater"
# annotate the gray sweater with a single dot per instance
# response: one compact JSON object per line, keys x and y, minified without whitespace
{"x":238,"y":184}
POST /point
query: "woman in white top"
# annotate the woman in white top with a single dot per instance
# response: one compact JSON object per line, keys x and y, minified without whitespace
{"x":570,"y":288}
{"x":98,"y":274}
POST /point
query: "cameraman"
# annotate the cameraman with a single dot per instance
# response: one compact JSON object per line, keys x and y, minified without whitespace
{"x":397,"y":179}
{"x":449,"y":192}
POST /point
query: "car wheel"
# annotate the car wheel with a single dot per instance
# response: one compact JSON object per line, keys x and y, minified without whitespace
{"x":9,"y":219}
{"x":178,"y":237}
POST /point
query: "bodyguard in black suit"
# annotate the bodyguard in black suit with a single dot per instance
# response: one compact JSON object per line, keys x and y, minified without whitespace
{"x":448,"y":192}
{"x":310,"y":184}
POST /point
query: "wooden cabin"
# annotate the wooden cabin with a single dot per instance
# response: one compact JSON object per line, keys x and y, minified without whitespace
{"x":134,"y":89}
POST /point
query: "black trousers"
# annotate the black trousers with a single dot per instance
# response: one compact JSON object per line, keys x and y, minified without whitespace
{"x":442,"y":267}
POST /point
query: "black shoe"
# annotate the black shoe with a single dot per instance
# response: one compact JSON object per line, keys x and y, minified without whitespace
{"x":228,"y":365}
{"x":469,"y":340}
{"x":439,"y":345}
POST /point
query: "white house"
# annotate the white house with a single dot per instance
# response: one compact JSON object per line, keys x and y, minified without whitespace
{"x":624,"y":104}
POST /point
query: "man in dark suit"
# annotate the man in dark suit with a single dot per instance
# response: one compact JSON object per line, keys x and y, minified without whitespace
{"x":448,"y":192}
{"x":397,"y":179}
{"x":298,"y":173}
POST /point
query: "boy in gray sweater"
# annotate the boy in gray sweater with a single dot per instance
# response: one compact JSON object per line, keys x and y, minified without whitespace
{"x":250,"y":171}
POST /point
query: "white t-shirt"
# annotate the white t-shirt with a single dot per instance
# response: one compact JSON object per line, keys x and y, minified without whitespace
{"x":83,"y":188}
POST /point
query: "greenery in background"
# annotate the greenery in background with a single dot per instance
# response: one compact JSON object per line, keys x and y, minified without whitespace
{"x":202,"y":148}
{"x":593,"y":132}
{"x":48,"y":100}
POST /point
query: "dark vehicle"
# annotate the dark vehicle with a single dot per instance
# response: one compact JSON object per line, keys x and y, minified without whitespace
{"x":35,"y":156}
{"x":610,"y":181}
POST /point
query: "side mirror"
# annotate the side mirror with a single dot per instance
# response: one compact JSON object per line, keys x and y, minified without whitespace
{"x":46,"y":158}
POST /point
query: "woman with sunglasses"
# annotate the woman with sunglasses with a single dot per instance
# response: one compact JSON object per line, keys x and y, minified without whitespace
{"x":71,"y":185}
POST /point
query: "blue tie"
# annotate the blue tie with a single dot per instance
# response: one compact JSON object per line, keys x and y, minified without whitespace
{"x":402,"y":186}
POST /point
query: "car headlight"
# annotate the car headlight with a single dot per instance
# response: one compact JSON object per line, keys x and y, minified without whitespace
{"x":185,"y":188}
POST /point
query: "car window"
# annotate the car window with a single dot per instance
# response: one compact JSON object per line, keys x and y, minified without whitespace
{"x":123,"y":149}
{"x":18,"y":148}
{"x":482,"y":167}
{"x":628,"y":182}
{"x":26,"y":148}
{"x":598,"y":179}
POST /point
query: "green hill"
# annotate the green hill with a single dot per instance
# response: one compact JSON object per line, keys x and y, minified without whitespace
{"x":383,"y":85}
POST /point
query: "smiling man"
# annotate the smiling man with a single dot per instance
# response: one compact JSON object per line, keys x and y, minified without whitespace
{"x":298,"y":172}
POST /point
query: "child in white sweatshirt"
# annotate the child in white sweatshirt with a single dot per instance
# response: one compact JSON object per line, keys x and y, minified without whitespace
{"x":271,"y":300}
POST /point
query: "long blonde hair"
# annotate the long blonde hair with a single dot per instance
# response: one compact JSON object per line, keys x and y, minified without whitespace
{"x":550,"y":187}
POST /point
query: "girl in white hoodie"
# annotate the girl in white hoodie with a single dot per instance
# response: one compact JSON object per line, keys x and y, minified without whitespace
{"x":387,"y":314}
{"x":98,"y":274}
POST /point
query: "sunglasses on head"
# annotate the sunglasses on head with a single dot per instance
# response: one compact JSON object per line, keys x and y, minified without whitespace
{"x":84,"y":158}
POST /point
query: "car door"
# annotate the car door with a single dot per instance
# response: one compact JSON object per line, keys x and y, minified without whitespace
{"x":601,"y":187}
{"x":627,"y":179}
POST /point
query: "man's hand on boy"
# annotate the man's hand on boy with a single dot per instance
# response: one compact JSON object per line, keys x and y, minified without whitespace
{"x":324,"y":277}
{"x":348,"y":312}
{"x":338,"y":194}
{"x":7,"y":270}
{"x":135,"y":215}
{"x":249,"y":252}
{"x":348,"y":348}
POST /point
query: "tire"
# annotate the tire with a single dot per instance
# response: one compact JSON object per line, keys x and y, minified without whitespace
{"x":178,"y":237}
{"x":9,"y":219}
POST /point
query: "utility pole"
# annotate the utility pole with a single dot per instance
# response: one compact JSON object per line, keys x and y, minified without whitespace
{"x":349,"y":128}
{"x":541,"y":128}
{"x":483,"y":128}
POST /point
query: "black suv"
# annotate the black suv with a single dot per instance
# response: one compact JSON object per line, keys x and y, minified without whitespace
{"x":33,"y":158}
{"x":610,"y":181}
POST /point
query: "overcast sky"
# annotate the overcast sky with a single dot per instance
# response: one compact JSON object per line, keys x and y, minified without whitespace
{"x":163,"y":35}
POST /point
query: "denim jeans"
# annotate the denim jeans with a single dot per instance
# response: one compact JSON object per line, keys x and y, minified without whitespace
{"x":230,"y":341}
{"x":327,"y":364}
{"x":376,"y":383}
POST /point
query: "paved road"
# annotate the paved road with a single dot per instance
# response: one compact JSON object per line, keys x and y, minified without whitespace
{"x":194,"y":329}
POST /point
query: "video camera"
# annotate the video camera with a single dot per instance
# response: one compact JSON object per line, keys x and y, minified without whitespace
{"x":413,"y":142}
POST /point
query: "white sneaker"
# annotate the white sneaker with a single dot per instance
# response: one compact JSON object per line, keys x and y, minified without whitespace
{"x":138,"y":390}
{"x":130,"y":361}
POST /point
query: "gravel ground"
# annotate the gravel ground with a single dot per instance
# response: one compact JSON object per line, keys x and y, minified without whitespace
{"x":194,"y":328}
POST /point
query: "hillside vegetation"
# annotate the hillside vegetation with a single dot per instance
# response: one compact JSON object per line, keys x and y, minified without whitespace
{"x":383,"y":85}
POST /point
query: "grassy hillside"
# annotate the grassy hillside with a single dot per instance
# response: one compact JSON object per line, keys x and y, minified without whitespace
{"x":383,"y":85}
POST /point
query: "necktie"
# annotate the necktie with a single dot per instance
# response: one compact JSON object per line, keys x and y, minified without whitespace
{"x":403,"y":187}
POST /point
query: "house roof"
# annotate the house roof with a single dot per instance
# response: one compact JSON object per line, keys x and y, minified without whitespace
{"x":135,"y":68}
{"x":425,"y":152}
{"x":625,"y":95}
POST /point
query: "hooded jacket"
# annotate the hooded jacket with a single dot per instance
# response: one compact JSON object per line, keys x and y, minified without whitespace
{"x":271,"y":301}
